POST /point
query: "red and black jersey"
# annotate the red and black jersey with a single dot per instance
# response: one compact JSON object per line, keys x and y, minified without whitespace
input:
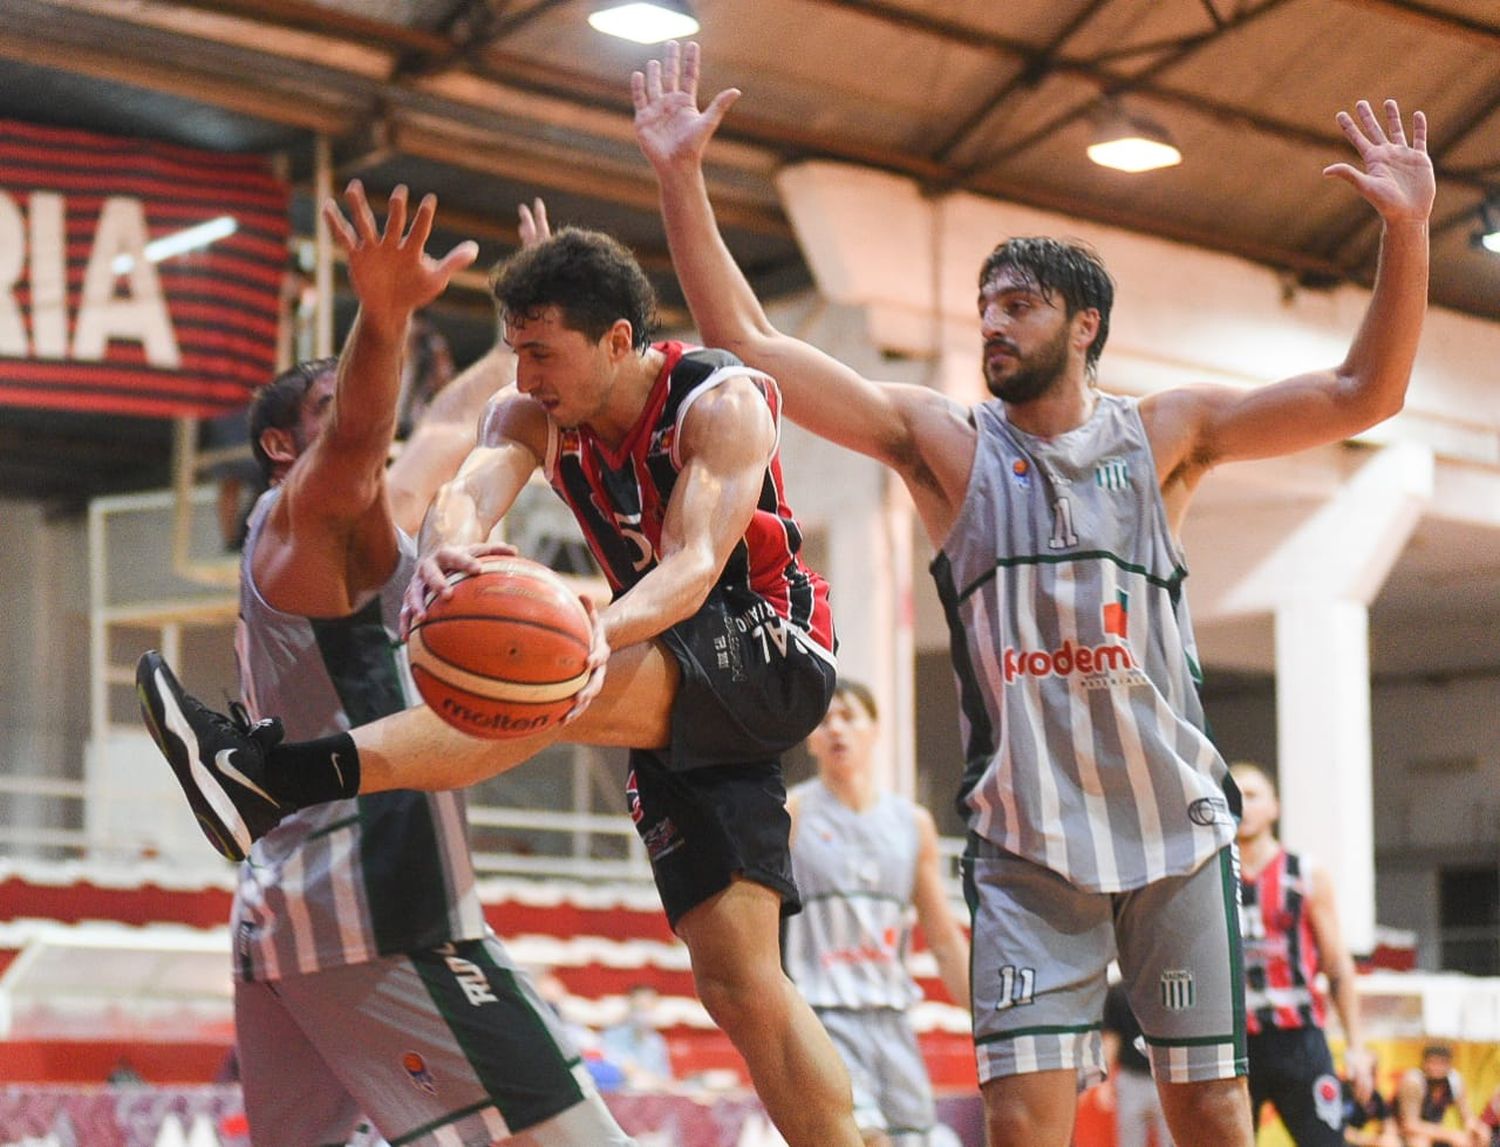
{"x":619,"y":495}
{"x":1281,"y":953}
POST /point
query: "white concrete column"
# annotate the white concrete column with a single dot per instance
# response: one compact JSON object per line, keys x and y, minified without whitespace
{"x":866,"y":572}
{"x":1324,"y":752}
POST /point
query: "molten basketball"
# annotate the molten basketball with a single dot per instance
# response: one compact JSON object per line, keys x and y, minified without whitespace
{"x":506,"y":654}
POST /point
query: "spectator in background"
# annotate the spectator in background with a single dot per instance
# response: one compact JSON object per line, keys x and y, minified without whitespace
{"x":1427,"y":1096}
{"x":1137,"y":1102}
{"x":635,"y":1044}
{"x":866,"y":861}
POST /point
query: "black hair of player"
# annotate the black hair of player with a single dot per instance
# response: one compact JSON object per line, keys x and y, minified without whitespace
{"x":1059,"y":269}
{"x":278,"y":405}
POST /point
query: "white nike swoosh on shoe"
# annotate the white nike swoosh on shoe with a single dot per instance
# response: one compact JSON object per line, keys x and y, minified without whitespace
{"x":225,"y":766}
{"x":206,"y":784}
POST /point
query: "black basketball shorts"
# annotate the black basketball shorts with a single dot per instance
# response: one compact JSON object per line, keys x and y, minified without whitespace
{"x":712,"y":805}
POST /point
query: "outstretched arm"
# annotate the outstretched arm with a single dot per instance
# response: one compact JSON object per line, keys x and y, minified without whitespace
{"x":1198,"y":427}
{"x":330,"y":538}
{"x":949,"y":945}
{"x":821,"y":393}
{"x":445,"y":436}
{"x":1338,"y":966}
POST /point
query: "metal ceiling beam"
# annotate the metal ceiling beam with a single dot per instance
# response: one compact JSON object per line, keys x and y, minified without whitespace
{"x":290,"y":109}
{"x":521,"y":162}
{"x":1476,"y":31}
{"x":309,"y":17}
{"x":1028,"y":76}
{"x":1120,"y":83}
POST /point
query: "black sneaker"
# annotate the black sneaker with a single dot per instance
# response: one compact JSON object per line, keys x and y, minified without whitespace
{"x":220,"y":761}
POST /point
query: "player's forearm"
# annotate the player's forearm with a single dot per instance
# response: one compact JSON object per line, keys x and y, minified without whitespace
{"x":1346,"y":1003}
{"x":723,"y":304}
{"x":1378,"y":366}
{"x":952,"y":958}
{"x":454,"y":519}
{"x":671,"y":592}
{"x":363,"y":419}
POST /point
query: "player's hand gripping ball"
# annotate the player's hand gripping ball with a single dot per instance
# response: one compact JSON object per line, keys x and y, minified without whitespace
{"x":505,"y":655}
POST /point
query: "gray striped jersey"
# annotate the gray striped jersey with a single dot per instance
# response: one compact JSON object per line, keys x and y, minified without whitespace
{"x":856,"y":872}
{"x":348,"y":881}
{"x":1084,"y":740}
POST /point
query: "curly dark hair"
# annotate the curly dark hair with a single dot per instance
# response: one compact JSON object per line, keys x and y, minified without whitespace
{"x":1058,"y":268}
{"x":589,"y":276}
{"x":278,"y":404}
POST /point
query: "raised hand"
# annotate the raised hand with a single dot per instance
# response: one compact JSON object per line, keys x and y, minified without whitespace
{"x":668,"y":125}
{"x":390,"y":271}
{"x":534,"y":227}
{"x":1397,"y":179}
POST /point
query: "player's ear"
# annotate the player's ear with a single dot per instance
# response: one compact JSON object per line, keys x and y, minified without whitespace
{"x":1085,"y":327}
{"x":279,"y":445}
{"x":619,"y":340}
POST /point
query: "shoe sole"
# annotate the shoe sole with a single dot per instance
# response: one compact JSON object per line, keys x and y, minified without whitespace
{"x":157,"y":687}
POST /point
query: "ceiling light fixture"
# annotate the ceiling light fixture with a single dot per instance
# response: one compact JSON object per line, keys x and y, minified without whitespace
{"x":646,"y":23}
{"x":1132,"y":143}
{"x":1487,"y":235}
{"x":180,"y":242}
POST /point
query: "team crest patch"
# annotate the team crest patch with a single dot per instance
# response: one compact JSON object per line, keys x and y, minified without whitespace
{"x":661,"y":839}
{"x":1020,"y":473}
{"x":416,"y":1070}
{"x":1328,"y":1101}
{"x":1112,"y":474}
{"x":1178,"y":993}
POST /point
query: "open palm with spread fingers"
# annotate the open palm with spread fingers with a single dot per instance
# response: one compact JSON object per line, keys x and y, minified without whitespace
{"x":668,"y":125}
{"x":1397,"y":180}
{"x":390,"y":270}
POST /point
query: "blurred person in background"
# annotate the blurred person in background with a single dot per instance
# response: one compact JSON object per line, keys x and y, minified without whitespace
{"x":865,"y":860}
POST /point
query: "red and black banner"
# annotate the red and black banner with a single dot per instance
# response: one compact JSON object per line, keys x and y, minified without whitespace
{"x":135,"y":277}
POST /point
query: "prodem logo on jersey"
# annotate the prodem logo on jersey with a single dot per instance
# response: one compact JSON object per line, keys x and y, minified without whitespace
{"x":1064,"y":661}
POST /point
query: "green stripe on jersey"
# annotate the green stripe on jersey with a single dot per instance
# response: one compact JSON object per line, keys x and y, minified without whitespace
{"x":498,"y":1027}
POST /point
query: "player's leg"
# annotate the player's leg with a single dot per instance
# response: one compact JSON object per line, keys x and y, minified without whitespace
{"x":418,"y":750}
{"x":734,"y":940}
{"x":291,"y":1093}
{"x":452,"y":1045}
{"x":859,"y":1042}
{"x":1307,"y":1094}
{"x":900,"y":1071}
{"x":1179,"y":948}
{"x":1040,"y":952}
{"x":241,"y":779}
{"x":716,"y":837}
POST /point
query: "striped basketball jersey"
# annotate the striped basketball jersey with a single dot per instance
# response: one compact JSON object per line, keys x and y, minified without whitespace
{"x":1083,"y":732}
{"x":619,"y":494}
{"x":1281,"y":953}
{"x":348,"y":881}
{"x":856,"y":872}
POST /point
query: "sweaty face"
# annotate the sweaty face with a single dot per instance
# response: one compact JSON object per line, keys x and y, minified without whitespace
{"x":844,"y":740}
{"x":561,"y":368}
{"x":1026,"y":338}
{"x":1260,"y":806}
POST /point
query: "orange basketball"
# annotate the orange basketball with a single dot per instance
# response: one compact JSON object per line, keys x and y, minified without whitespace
{"x":506,"y":654}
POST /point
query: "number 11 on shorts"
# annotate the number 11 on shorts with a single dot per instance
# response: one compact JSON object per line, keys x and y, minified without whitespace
{"x":1017,"y":987}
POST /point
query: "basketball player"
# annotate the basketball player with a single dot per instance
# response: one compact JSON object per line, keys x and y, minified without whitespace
{"x":1291,"y":930}
{"x":715,"y":656}
{"x":1101,"y":818}
{"x":863,"y":858}
{"x":367,"y":979}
